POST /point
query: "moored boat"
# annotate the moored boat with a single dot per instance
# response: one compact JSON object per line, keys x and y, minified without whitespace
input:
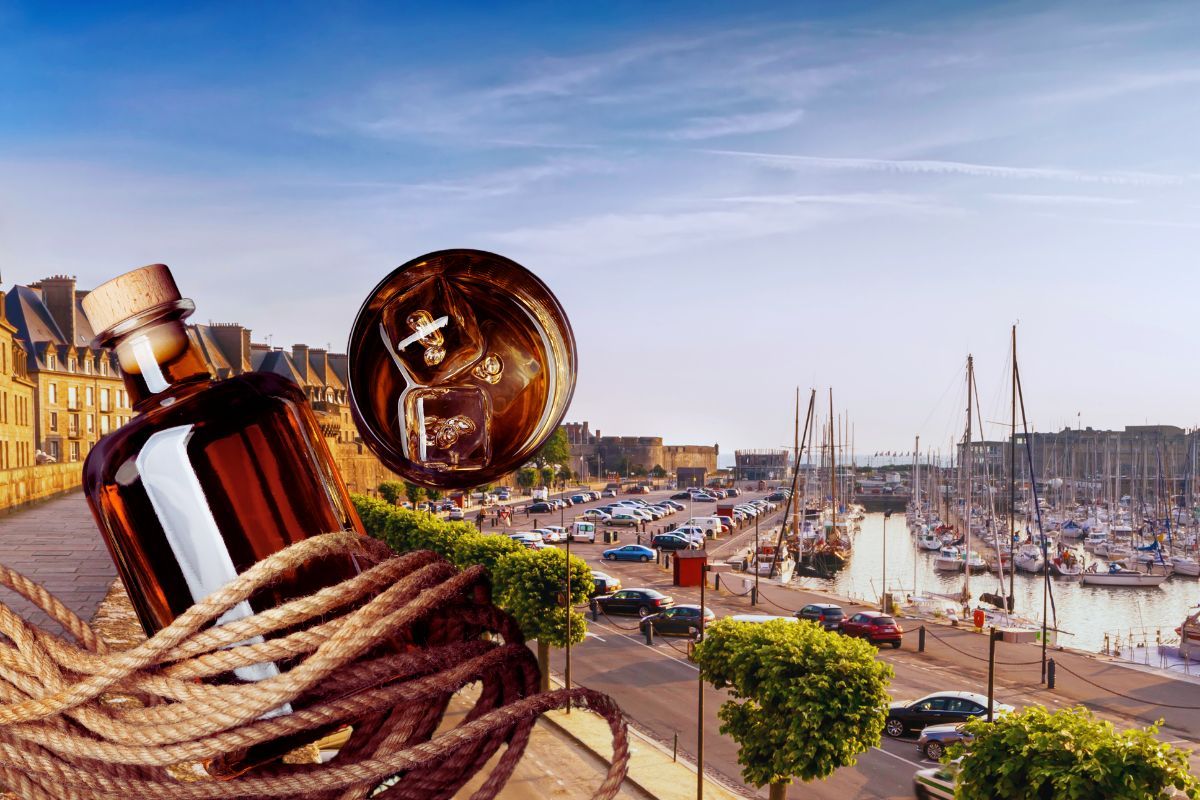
{"x":1117,"y":575}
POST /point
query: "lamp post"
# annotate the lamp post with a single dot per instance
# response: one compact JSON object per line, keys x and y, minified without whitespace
{"x":883,"y":589}
{"x":754,"y":597}
{"x":567,"y":672}
{"x":700,"y":696}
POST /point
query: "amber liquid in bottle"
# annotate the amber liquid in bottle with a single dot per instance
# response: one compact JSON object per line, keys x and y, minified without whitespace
{"x":208,"y":479}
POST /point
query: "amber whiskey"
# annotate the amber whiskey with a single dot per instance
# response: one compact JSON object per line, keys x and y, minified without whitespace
{"x":210,"y":476}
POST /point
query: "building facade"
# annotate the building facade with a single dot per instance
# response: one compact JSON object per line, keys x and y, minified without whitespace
{"x":77,"y":391}
{"x":17,"y":393}
{"x":760,"y":465}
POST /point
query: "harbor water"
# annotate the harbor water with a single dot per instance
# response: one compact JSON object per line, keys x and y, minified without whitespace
{"x":1085,"y":614}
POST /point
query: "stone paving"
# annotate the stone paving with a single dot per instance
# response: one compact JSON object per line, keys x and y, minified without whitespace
{"x":57,"y":544}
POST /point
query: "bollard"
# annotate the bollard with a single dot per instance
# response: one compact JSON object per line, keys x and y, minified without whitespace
{"x":753,"y":595}
{"x":921,"y":639}
{"x":675,"y":748}
{"x":649,"y":633}
{"x":1050,"y":674}
{"x":717,"y":582}
{"x":595,"y":612}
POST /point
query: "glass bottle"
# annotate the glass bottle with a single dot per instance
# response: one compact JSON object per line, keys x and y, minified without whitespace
{"x":209,"y":477}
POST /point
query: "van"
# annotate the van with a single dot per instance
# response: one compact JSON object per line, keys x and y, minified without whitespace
{"x":711,"y":526}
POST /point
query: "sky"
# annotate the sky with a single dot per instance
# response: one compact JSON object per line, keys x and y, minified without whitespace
{"x":730,"y":200}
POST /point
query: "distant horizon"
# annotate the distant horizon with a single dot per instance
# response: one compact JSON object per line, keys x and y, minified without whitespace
{"x":729,"y":201}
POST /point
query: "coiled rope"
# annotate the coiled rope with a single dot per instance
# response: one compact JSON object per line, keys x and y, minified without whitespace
{"x":383,"y":652}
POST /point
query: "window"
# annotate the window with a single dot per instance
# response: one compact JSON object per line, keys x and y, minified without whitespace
{"x":74,"y":424}
{"x":54,"y":393}
{"x":103,"y":424}
{"x":54,"y":420}
{"x":91,"y":396}
{"x":51,"y":361}
{"x":54,"y":451}
{"x":70,"y":364}
{"x":74,"y":451}
{"x":72,"y":397}
{"x":91,"y":423}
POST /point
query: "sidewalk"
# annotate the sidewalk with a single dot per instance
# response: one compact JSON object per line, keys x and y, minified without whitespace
{"x":57,"y":544}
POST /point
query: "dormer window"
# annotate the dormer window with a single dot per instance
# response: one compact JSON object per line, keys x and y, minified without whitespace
{"x":71,"y":365}
{"x":51,"y":361}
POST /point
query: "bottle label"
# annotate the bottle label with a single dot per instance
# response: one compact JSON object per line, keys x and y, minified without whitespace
{"x":178,"y":500}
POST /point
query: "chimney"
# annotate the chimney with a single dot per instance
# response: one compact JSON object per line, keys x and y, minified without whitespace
{"x":320,"y":361}
{"x":234,"y":341}
{"x":300,"y":359}
{"x":58,"y":295}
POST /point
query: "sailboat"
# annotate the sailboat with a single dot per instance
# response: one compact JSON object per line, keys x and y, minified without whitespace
{"x":1029,"y":559}
{"x":1116,"y":575}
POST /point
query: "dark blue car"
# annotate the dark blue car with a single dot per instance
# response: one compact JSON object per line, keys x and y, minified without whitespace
{"x":630,"y":552}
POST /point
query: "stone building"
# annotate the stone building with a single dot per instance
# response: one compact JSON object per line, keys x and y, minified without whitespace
{"x":594,"y":456}
{"x":17,"y":407}
{"x":78,"y":394}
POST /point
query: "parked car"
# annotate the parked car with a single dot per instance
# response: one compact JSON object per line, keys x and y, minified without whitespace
{"x":669,"y":541}
{"x":684,"y":620}
{"x":553,"y":533}
{"x":938,"y":708}
{"x":596,"y":515}
{"x":583,"y":532}
{"x":603,"y":583}
{"x":609,"y":493}
{"x":727,"y":522}
{"x":682,"y":496}
{"x":874,"y":626}
{"x":642,"y":602}
{"x":675,"y":504}
{"x":704,"y":498}
{"x":827,"y":614}
{"x":937,"y":782}
{"x":692,"y":533}
{"x":540,"y":507}
{"x":579,"y":498}
{"x":531,"y":540}
{"x":630,"y":552}
{"x":625,"y":517}
{"x":456,"y":513}
{"x":504,"y":496}
{"x":936,"y":738}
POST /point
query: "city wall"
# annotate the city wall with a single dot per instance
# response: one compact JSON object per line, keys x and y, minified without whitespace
{"x":27,"y":484}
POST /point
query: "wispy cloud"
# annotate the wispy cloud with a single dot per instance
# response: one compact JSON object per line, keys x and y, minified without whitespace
{"x":933,"y":167}
{"x":1064,"y":199}
{"x":1114,"y":86}
{"x":515,"y":180}
{"x":735,"y":124}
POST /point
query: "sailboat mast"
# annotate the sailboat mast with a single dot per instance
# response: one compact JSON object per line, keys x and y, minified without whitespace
{"x":832,"y":464}
{"x":969,"y":459}
{"x":796,"y":465}
{"x":1012,"y":473}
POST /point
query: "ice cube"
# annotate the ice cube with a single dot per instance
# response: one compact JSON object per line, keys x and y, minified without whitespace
{"x":432,"y":332}
{"x":517,"y":368}
{"x":447,"y":427}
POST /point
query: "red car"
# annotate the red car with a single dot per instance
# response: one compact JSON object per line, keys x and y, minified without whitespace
{"x":874,"y":626}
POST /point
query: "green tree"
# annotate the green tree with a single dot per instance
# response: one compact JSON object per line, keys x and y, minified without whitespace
{"x":556,"y":450}
{"x":639,"y":470}
{"x":565,"y":475}
{"x":527,"y":477}
{"x":391,"y":491}
{"x":547,"y":476}
{"x":1035,"y":754}
{"x":805,"y":701}
{"x":658,"y":471}
{"x":434,"y":494}
{"x":414,"y":492}
{"x":531,"y":585}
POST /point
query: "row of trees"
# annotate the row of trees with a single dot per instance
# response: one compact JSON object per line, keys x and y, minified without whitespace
{"x":806,"y":702}
{"x":392,"y":491}
{"x":529,"y":584}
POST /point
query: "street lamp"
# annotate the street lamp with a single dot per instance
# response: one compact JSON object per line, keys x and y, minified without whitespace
{"x":883,"y":589}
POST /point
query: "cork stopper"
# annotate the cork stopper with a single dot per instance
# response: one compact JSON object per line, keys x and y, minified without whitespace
{"x":128,"y":295}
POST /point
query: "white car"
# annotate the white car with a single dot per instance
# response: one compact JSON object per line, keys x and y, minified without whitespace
{"x":456,"y":513}
{"x":596,"y":515}
{"x":553,"y":533}
{"x":531,"y":540}
{"x":936,"y":782}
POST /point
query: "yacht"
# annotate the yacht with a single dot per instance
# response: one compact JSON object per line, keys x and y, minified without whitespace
{"x":1116,"y":575}
{"x":949,"y":559}
{"x":1029,"y":558}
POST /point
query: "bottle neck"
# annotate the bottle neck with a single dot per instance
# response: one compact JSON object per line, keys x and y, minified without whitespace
{"x":158,"y":362}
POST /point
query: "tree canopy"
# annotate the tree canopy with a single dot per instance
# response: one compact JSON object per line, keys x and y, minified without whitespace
{"x":533,"y":585}
{"x":555,"y":451}
{"x":806,"y":702}
{"x":1035,"y":754}
{"x":414,"y":492}
{"x":391,"y":491}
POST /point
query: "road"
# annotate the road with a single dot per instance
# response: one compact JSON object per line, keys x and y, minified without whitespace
{"x":658,"y":688}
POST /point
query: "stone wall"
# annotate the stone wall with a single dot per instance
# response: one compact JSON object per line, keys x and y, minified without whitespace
{"x":360,"y":469}
{"x":27,"y":484}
